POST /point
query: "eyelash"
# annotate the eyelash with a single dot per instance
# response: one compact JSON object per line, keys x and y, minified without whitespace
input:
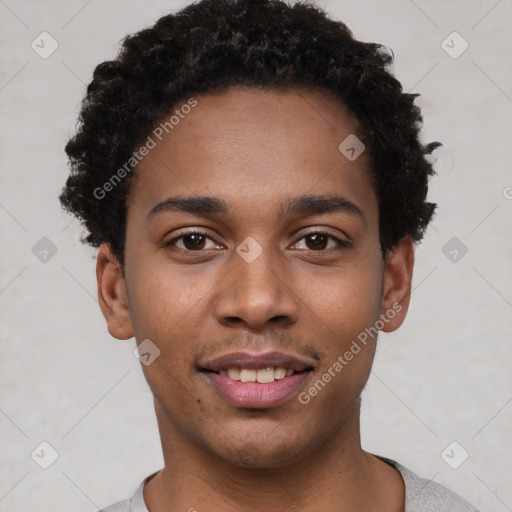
{"x":343,"y":244}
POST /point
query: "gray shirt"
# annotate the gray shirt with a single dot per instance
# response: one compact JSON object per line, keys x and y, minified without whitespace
{"x":420,"y":496}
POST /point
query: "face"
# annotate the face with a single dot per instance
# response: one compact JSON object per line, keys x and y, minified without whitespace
{"x":252,"y":251}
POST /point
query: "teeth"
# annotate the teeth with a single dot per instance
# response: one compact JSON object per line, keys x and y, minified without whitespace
{"x":279,"y":373}
{"x":262,"y":376}
{"x":248,"y":375}
{"x":234,"y":373}
{"x":266,"y":375}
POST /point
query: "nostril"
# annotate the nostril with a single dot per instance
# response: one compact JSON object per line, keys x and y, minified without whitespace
{"x":234,"y":319}
{"x":278,"y":318}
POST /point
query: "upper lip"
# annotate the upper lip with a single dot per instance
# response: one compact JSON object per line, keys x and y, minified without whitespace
{"x":258,"y":361}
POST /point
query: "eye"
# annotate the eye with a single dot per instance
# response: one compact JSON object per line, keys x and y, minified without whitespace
{"x":319,"y":241}
{"x":192,"y":241}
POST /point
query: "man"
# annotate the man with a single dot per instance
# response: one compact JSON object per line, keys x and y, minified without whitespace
{"x":254,"y":180}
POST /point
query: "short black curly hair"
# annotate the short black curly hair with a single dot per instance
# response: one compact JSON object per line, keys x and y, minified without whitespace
{"x":211,"y":45}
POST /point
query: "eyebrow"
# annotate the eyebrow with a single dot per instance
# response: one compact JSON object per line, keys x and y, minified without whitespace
{"x":314,"y":205}
{"x":200,"y":204}
{"x":302,"y":205}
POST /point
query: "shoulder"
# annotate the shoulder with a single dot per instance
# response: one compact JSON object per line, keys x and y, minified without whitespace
{"x":135,"y":504}
{"x":423,"y":495}
{"x":120,"y":506}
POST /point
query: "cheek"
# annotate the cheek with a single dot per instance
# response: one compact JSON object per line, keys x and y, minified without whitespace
{"x":346,"y":302}
{"x":165,"y":310}
{"x":166,"y":307}
{"x":164,"y":300}
{"x":348,"y":350}
{"x":345,"y":308}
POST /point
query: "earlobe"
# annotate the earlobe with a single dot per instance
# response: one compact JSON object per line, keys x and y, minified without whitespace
{"x":112,"y":295}
{"x":397,"y":284}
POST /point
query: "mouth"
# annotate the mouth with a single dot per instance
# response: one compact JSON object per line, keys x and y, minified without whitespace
{"x":262,"y":375}
{"x":251,"y":380}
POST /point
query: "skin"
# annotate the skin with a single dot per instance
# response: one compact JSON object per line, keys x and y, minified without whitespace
{"x":255,"y":149}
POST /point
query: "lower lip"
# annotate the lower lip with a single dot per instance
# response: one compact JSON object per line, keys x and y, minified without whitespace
{"x":254,"y":394}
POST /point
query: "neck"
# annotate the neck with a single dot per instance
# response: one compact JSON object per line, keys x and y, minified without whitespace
{"x":338,"y":471}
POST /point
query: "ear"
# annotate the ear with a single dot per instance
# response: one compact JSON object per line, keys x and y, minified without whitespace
{"x":112,"y":294}
{"x":397,"y":284}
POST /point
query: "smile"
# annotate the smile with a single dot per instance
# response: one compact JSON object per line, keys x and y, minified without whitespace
{"x":257,"y":380}
{"x":262,"y":376}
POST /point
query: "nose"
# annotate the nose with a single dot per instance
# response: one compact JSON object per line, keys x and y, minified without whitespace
{"x":257,"y":295}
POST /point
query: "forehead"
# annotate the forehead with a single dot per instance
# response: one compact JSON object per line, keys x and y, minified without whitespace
{"x":250,"y":145}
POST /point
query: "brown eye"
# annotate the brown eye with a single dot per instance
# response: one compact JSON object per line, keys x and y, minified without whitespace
{"x":194,"y":241}
{"x":317,"y":241}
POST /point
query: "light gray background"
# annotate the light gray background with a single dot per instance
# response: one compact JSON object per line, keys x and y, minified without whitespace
{"x":444,"y":376}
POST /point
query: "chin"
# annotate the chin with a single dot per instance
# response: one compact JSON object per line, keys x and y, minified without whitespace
{"x":258,"y":453}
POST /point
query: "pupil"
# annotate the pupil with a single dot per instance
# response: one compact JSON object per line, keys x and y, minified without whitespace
{"x":197,"y":241}
{"x":319,"y":241}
